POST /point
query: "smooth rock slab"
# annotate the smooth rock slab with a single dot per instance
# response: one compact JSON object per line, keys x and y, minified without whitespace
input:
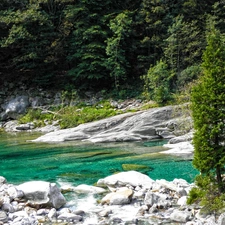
{"x":138,"y":126}
{"x":41,"y":193}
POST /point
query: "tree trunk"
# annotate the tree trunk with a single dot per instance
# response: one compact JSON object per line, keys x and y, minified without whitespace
{"x":219,"y":179}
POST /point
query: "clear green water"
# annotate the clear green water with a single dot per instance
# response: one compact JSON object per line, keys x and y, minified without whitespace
{"x":84,"y":163}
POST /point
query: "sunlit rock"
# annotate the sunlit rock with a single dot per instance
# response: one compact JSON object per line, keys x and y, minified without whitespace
{"x":132,"y":178}
{"x":120,"y":197}
{"x":40,"y":193}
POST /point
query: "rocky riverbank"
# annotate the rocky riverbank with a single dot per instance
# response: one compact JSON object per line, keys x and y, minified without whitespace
{"x":121,"y":199}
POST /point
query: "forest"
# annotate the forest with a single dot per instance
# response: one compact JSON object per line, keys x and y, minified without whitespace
{"x":156,"y":45}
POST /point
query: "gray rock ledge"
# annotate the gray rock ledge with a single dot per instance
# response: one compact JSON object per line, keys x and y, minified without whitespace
{"x":151,"y":124}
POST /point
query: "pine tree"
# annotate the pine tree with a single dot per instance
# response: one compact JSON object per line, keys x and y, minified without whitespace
{"x":208,"y":106}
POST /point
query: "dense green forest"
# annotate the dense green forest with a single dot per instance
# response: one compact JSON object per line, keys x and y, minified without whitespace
{"x":110,"y":45}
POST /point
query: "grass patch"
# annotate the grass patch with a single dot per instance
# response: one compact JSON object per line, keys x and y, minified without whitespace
{"x":73,"y":116}
{"x":70,"y":116}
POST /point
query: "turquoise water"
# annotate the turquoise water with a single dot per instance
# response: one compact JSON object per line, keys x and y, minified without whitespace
{"x":85,"y":163}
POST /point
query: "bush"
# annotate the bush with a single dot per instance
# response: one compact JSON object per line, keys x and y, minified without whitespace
{"x":73,"y":116}
{"x":207,"y":194}
{"x":37,"y":116}
{"x":157,"y":83}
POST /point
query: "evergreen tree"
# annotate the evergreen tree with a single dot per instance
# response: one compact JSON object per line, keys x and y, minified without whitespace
{"x":183,"y":50}
{"x":87,"y":43}
{"x":117,"y":61}
{"x":208,"y":106}
{"x":34,"y":36}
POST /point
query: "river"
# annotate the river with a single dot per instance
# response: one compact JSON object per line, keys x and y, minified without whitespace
{"x":84,"y":163}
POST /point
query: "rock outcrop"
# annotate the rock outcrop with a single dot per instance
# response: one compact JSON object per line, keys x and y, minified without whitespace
{"x":15,"y":107}
{"x":151,"y":124}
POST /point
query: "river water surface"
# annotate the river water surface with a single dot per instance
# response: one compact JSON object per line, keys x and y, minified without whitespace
{"x":84,"y":163}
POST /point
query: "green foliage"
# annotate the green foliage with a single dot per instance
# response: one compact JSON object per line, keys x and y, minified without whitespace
{"x":188,"y":75}
{"x":103,"y":44}
{"x":208,"y":106}
{"x":183,"y":50}
{"x":157,"y":83}
{"x":36,"y":116}
{"x":149,"y":105}
{"x":117,"y":45}
{"x":207,"y":194}
{"x":87,"y":43}
{"x":72,"y":116}
{"x":195,"y":195}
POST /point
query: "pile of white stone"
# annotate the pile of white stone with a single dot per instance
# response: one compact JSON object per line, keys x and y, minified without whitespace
{"x":121,"y":199}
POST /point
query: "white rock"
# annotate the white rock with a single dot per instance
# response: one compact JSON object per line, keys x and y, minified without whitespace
{"x":18,"y":214}
{"x":133,"y":178}
{"x":179,"y":148}
{"x":120,"y":197}
{"x":64,"y":210}
{"x":221,"y":219}
{"x":52,"y":214}
{"x":83,"y":188}
{"x":151,"y":198}
{"x":8,"y":208}
{"x":181,"y":216}
{"x":182,"y":201}
{"x":42,"y":193}
{"x":166,"y":184}
{"x":41,"y":212}
{"x":105,"y":212}
{"x":14,"y":193}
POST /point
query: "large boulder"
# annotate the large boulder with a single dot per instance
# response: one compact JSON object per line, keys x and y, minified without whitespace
{"x":41,"y":193}
{"x":15,"y":107}
{"x":132,"y":178}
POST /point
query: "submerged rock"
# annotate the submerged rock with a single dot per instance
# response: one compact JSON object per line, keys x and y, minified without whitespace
{"x":127,"y":167}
